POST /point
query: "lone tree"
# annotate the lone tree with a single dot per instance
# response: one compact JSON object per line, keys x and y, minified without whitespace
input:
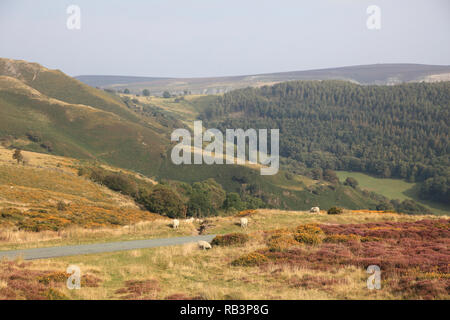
{"x":126,"y":91}
{"x":146,"y":93}
{"x":352,"y":182}
{"x":17,"y":156}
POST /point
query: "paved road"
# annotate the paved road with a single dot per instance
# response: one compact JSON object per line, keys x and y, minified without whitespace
{"x":54,"y":252}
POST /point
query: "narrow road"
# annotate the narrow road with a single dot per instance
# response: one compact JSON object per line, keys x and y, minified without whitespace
{"x":63,"y":251}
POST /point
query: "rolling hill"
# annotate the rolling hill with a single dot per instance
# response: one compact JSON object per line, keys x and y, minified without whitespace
{"x":381,"y":74}
{"x":46,"y":111}
{"x":389,"y":131}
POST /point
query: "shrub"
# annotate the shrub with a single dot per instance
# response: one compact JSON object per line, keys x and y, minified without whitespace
{"x":17,"y":156}
{"x":281,"y":242}
{"x":309,"y":228}
{"x":335,"y":210}
{"x":56,"y":277}
{"x":61,"y":206}
{"x":230,"y":239}
{"x":250,"y":260}
{"x":308,"y":238}
{"x":309,"y":234}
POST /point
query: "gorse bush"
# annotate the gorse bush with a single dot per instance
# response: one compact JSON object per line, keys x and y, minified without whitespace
{"x":309,"y":234}
{"x":308,"y":238}
{"x":250,"y":260}
{"x":309,"y":228}
{"x":231,"y":239}
{"x":281,"y":241}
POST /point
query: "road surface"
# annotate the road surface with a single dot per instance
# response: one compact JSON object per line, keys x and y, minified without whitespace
{"x":63,"y":251}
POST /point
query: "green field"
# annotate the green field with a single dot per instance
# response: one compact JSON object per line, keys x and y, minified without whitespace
{"x":393,"y":189}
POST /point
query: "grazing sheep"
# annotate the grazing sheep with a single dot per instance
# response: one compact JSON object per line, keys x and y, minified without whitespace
{"x":314,"y":210}
{"x":204,"y":245}
{"x":175,"y":223}
{"x":244,"y":222}
{"x":190,"y":220}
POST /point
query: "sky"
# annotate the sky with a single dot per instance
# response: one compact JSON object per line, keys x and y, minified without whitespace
{"x":199,"y":38}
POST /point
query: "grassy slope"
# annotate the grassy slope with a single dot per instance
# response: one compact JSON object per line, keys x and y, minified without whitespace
{"x":286,"y":193}
{"x":393,"y":189}
{"x":77,"y":130}
{"x":55,"y":84}
{"x":29,"y":197}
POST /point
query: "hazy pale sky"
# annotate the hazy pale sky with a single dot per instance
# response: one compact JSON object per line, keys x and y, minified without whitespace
{"x":191,"y":38}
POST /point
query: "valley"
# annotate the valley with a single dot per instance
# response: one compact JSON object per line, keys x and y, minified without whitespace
{"x":83,"y":166}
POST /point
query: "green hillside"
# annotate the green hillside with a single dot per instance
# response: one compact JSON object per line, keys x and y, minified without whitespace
{"x":393,"y":189}
{"x":34,"y":121}
{"x":55,"y":84}
{"x":46,"y":111}
{"x":283,"y":190}
{"x":389,"y":131}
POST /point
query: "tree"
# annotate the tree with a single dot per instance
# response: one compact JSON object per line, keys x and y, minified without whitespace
{"x":166,"y":94}
{"x":164,"y":201}
{"x":17,"y":155}
{"x":233,"y":201}
{"x":34,"y":136}
{"x":121,"y":183}
{"x":317,"y":173}
{"x":330,"y":176}
{"x":126,"y":91}
{"x":47,"y":145}
{"x":205,"y":198}
{"x":352,"y":182}
{"x":146,"y":93}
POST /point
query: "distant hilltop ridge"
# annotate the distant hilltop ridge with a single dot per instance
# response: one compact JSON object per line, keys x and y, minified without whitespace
{"x":373,"y":74}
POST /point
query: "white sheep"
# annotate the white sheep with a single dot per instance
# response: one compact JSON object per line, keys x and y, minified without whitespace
{"x":204,"y":245}
{"x":314,"y":210}
{"x":244,"y":222}
{"x":175,"y":223}
{"x":190,"y":220}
